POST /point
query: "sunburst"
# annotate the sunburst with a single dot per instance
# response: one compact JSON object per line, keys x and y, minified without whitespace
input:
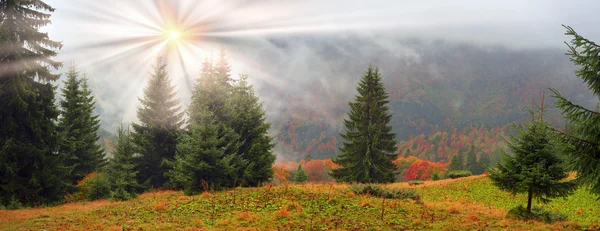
{"x":122,"y":38}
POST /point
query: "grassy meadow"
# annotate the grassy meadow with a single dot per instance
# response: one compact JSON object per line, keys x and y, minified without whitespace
{"x":471,"y":203}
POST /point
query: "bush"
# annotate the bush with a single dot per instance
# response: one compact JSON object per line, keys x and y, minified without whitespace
{"x":378,"y":191}
{"x":459,"y":174}
{"x":94,"y":186}
{"x":121,"y":194}
{"x":537,"y":213}
{"x":415,"y":182}
{"x":436,"y":176}
{"x":14,"y":204}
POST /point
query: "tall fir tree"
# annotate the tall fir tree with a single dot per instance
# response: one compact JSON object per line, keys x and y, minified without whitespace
{"x":79,"y":127}
{"x":369,"y":146}
{"x":456,"y":163}
{"x":250,"y":124}
{"x":206,"y":155}
{"x":485,"y":161}
{"x":235,"y":114}
{"x":202,"y":162}
{"x":32,"y":170}
{"x":471,"y":162}
{"x":121,"y":170}
{"x":583,"y":136}
{"x":534,"y":168}
{"x":157,"y":133}
{"x":212,"y":94}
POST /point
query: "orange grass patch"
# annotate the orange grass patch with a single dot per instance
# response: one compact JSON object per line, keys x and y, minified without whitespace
{"x":364,"y":203}
{"x":115,"y":228}
{"x":282,"y":213}
{"x":205,"y":195}
{"x":10,"y":216}
{"x":158,"y":193}
{"x":159,"y":206}
{"x":246,"y":216}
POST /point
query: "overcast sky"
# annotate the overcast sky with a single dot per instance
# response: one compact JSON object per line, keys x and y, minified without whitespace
{"x":118,"y":71}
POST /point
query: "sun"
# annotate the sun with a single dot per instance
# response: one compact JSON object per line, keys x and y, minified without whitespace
{"x":174,"y":35}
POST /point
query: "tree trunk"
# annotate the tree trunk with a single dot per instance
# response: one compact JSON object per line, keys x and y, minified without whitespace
{"x":530,"y":196}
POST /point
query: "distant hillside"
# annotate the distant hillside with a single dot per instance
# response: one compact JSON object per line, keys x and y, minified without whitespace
{"x":434,"y":87}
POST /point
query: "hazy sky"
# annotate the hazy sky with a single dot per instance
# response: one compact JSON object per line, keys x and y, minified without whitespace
{"x":102,"y":37}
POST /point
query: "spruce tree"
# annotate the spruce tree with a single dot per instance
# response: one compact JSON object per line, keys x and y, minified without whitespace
{"x":369,"y":146}
{"x":32,"y":170}
{"x":300,"y":176}
{"x":79,"y":127}
{"x":250,"y":124}
{"x":202,"y":161}
{"x":471,"y":163}
{"x":121,"y":171}
{"x":212,"y":94}
{"x":456,"y":163}
{"x":534,"y":168}
{"x":157,"y":133}
{"x":485,"y":161}
{"x":207,"y":154}
{"x":583,"y":136}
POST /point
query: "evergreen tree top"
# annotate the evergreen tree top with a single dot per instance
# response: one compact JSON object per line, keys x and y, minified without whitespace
{"x":28,"y":49}
{"x":160,"y":106}
{"x":223,"y":69}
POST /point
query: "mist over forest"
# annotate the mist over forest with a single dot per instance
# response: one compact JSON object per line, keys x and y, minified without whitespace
{"x":306,"y":83}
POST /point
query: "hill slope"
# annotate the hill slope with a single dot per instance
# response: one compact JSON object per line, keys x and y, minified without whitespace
{"x":462,"y":204}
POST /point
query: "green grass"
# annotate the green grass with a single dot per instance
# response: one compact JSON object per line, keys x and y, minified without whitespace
{"x":581,"y":206}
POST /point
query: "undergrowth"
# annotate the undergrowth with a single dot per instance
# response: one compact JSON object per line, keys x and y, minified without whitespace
{"x":378,"y":191}
{"x":537,"y":213}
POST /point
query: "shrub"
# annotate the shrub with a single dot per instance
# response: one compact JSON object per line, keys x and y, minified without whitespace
{"x":537,"y":213}
{"x":121,"y":194}
{"x":415,"y":182}
{"x":459,"y":174}
{"x":436,"y":176}
{"x":378,"y":191}
{"x":14,"y":204}
{"x":93,"y":186}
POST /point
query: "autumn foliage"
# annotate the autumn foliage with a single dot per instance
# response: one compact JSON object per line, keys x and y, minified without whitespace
{"x":317,"y":170}
{"x":442,"y":146}
{"x":422,"y":170}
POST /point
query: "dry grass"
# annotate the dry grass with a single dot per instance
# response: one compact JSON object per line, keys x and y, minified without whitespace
{"x":9,"y":216}
{"x":364,"y":203}
{"x":282,"y":213}
{"x":157,"y":193}
{"x":309,"y":206}
{"x":454,"y":209}
{"x":115,"y":228}
{"x":435,"y":183}
{"x":247,"y":216}
{"x":293,"y":206}
{"x":160,"y":206}
{"x":205,"y":195}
